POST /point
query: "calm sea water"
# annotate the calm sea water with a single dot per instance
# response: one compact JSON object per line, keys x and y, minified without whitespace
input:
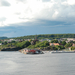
{"x":16,"y":63}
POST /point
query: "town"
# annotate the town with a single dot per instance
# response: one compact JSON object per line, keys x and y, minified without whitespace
{"x":41,"y":44}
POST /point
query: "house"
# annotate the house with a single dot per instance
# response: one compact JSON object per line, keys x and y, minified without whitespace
{"x":54,"y":44}
{"x":70,"y":40}
{"x":73,"y":44}
{"x":34,"y":42}
{"x":0,"y":43}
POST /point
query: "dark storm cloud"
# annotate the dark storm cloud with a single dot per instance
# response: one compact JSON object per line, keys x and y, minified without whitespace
{"x":4,"y":3}
{"x":46,"y":23}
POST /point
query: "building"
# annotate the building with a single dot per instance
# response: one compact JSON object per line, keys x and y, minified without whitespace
{"x":73,"y":44}
{"x":54,"y":44}
{"x":0,"y":43}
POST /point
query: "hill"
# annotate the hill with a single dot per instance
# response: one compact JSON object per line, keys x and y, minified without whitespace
{"x":3,"y":37}
{"x":47,"y":36}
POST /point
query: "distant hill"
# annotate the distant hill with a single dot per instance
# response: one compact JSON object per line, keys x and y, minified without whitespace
{"x":47,"y":36}
{"x":3,"y":37}
{"x":44,"y":36}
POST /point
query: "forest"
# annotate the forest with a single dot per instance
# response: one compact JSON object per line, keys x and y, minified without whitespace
{"x":47,"y":36}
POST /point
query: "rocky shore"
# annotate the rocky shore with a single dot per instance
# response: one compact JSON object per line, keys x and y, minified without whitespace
{"x":10,"y":49}
{"x":31,"y":51}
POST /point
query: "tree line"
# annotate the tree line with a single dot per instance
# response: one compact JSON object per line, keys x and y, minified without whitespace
{"x":48,"y":36}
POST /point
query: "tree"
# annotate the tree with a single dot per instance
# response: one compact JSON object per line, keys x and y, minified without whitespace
{"x":40,"y":44}
{"x":68,"y":45}
{"x":74,"y":42}
{"x":63,"y":43}
{"x":54,"y":41}
{"x":30,"y":40}
{"x":5,"y":42}
{"x":72,"y":48}
{"x":0,"y":41}
{"x":59,"y":47}
{"x":13,"y":41}
{"x":23,"y":44}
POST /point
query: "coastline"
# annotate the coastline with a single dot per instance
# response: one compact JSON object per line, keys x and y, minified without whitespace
{"x":43,"y":51}
{"x":10,"y":49}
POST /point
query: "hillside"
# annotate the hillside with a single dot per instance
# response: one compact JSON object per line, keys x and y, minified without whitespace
{"x":47,"y":36}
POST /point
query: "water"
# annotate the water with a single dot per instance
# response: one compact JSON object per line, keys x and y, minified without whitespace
{"x":16,"y":63}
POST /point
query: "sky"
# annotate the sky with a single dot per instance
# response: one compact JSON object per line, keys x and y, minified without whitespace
{"x":31,"y":17}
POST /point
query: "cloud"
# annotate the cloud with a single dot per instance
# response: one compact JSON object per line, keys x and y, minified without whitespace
{"x":45,"y":0}
{"x":21,"y":0}
{"x":23,"y":11}
{"x":4,"y":3}
{"x":2,"y":19}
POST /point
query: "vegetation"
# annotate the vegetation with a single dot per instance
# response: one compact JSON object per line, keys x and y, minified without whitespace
{"x":63,"y":43}
{"x":54,"y":41}
{"x":59,"y":47}
{"x":21,"y":43}
{"x":48,"y":36}
{"x":72,"y":48}
{"x":13,"y":44}
{"x":68,"y":45}
{"x":39,"y":45}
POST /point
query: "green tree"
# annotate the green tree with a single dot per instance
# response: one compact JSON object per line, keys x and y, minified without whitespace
{"x":74,"y":42}
{"x":5,"y":42}
{"x":72,"y":48}
{"x":59,"y":47}
{"x":40,"y":44}
{"x":13,"y":41}
{"x":23,"y":44}
{"x":0,"y":41}
{"x":68,"y":45}
{"x":54,"y":41}
{"x":63,"y":43}
{"x":30,"y":40}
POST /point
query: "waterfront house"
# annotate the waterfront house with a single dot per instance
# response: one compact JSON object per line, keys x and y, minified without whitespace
{"x":73,"y":44}
{"x":54,"y":44}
